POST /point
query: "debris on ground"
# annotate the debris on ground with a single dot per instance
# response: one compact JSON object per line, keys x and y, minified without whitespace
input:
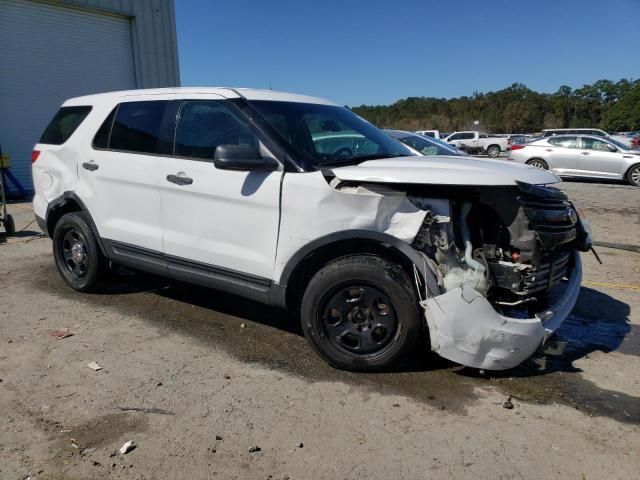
{"x":255,"y":449}
{"x":159,"y":411}
{"x":218,"y":437}
{"x":227,"y":377}
{"x":299,"y":445}
{"x":243,"y":325}
{"x":127,"y":447}
{"x":87,"y":451}
{"x":508,"y":404}
{"x":94,"y":366}
{"x":60,"y":334}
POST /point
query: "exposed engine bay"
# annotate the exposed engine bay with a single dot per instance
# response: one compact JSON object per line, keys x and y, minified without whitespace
{"x":510,"y":244}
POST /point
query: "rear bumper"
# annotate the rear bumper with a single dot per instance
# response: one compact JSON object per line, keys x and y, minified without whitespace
{"x":465,"y":328}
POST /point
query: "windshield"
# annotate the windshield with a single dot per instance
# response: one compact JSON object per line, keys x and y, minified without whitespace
{"x":328,"y":135}
{"x":427,"y":146}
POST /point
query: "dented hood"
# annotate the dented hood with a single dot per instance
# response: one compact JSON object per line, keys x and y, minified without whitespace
{"x":444,"y":170}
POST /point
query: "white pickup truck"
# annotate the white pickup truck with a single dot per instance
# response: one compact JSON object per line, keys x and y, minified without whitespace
{"x":478,"y":143}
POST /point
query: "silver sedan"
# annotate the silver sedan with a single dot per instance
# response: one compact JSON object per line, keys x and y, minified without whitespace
{"x":581,"y":156}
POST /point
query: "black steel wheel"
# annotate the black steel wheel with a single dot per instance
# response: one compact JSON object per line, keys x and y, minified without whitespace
{"x":358,"y":318}
{"x":76,"y":252}
{"x":361,"y":313}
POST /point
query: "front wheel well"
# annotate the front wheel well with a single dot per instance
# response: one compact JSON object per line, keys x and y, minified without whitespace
{"x":318,"y":258}
{"x":626,"y":174}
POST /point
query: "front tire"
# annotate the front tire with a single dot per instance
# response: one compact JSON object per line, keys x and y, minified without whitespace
{"x":538,"y":163}
{"x":493,"y":151}
{"x":360,"y":313}
{"x":76,"y":252}
{"x":633,"y":175}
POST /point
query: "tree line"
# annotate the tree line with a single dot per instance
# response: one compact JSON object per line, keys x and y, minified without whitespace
{"x":517,"y":109}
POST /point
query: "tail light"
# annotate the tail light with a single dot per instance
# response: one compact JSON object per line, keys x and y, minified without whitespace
{"x":517,"y":147}
{"x":34,"y":156}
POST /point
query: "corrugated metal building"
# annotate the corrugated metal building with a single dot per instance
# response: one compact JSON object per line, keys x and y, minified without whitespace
{"x":54,"y":50}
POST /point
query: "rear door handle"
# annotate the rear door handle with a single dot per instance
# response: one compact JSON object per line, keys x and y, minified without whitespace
{"x":584,"y":153}
{"x":91,"y":166}
{"x":179,"y":179}
{"x":549,"y":149}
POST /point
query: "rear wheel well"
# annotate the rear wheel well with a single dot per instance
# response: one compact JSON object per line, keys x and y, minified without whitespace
{"x":69,"y":206}
{"x":314,"y":261}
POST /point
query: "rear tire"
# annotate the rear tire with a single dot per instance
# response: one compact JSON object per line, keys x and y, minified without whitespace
{"x":360,"y":313}
{"x":538,"y":163}
{"x":493,"y":151}
{"x":76,"y":252}
{"x":633,"y":175}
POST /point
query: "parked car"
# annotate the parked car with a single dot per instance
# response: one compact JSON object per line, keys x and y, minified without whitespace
{"x":476,"y":143}
{"x":550,"y":132}
{"x":516,"y":139}
{"x":254,"y":192}
{"x":429,"y":133}
{"x":421,"y":145}
{"x":581,"y":156}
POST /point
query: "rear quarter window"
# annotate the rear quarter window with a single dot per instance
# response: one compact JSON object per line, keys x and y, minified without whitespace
{"x":64,"y":123}
{"x":137,"y":127}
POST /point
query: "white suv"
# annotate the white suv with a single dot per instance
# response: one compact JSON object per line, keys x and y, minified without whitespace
{"x":297,"y":202}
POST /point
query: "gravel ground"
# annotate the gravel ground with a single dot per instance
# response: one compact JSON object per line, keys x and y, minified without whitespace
{"x":224,"y":389}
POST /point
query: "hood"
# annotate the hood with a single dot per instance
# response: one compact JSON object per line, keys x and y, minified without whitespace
{"x":444,"y":170}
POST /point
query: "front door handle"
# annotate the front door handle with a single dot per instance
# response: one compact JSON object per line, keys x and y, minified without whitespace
{"x":179,"y":179}
{"x":91,"y":166}
{"x":584,"y":153}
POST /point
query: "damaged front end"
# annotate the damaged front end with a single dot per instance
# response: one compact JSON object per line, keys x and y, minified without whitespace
{"x":505,"y":260}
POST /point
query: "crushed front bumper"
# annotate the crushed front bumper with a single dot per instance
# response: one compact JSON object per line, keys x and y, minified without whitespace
{"x":465,"y":328}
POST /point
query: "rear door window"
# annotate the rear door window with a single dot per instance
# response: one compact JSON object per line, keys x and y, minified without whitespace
{"x":137,"y":127}
{"x":63,"y":125}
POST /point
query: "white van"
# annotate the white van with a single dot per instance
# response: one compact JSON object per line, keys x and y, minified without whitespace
{"x":297,"y":202}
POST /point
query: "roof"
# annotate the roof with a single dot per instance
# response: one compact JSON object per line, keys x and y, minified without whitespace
{"x":570,"y":128}
{"x":183,"y":92}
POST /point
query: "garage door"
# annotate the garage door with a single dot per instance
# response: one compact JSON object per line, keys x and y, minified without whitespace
{"x":48,"y":54}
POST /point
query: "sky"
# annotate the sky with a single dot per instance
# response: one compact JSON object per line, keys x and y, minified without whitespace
{"x":377,"y":52}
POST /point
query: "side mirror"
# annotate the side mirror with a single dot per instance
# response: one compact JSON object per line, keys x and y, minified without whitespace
{"x":242,"y":158}
{"x":611,"y":148}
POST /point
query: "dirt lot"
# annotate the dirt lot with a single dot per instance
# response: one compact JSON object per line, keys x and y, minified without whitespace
{"x":183,"y":349}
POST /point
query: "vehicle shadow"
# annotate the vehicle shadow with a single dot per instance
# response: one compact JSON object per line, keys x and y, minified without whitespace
{"x":603,"y":181}
{"x":221,"y":304}
{"x":124,"y":281}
